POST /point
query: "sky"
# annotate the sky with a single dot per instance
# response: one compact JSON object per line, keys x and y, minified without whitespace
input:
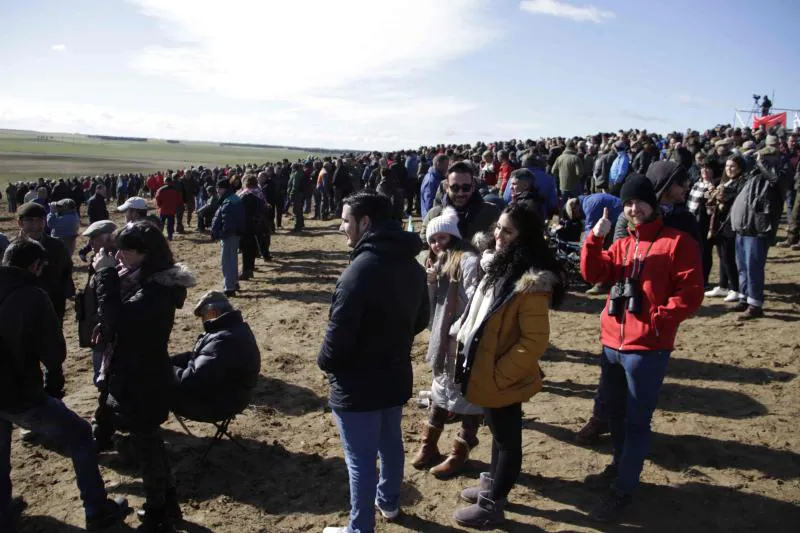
{"x":389,"y":74}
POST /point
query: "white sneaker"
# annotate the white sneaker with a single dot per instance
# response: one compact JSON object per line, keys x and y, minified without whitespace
{"x":335,"y":530}
{"x":717,"y":292}
{"x":27,"y":435}
{"x":732,"y":296}
{"x":388,"y":515}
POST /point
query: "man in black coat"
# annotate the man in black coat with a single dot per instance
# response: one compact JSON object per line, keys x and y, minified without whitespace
{"x":31,"y":336}
{"x":216,"y":380}
{"x":379,"y":305}
{"x":56,"y":276}
{"x":96,"y":206}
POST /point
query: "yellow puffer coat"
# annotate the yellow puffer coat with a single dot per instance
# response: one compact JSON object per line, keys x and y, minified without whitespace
{"x":504,"y":354}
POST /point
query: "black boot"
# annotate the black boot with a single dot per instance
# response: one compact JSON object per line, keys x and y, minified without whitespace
{"x":156,"y":521}
{"x":112,"y":512}
{"x":171,"y":507}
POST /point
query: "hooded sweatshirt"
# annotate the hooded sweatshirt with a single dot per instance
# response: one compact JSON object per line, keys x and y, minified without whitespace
{"x":380,"y":303}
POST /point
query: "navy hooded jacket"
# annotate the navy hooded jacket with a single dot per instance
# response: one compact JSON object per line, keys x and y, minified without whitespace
{"x":379,"y":305}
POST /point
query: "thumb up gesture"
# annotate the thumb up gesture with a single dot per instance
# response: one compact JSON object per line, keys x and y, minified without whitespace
{"x":603,"y":226}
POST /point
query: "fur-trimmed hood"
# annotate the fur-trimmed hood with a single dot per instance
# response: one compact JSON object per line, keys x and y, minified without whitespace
{"x":536,"y":281}
{"x":483,"y":241}
{"x":176,"y":276}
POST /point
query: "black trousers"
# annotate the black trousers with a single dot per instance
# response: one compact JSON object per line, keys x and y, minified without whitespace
{"x":278,"y":209}
{"x":708,"y":258}
{"x":728,"y":272}
{"x":506,"y":426}
{"x":264,"y":241}
{"x":157,"y":475}
{"x":148,"y":448}
{"x":297,"y":208}
{"x":249,"y":248}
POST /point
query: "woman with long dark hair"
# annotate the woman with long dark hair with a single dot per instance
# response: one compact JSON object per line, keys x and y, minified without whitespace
{"x":719,"y":206}
{"x":136,"y":307}
{"x":502,"y":334}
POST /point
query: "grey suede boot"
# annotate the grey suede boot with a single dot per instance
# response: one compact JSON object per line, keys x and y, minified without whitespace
{"x":470,"y":494}
{"x":482,"y":514}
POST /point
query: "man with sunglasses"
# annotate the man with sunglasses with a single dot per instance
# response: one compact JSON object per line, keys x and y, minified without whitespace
{"x":474,"y":214}
{"x":56,"y":276}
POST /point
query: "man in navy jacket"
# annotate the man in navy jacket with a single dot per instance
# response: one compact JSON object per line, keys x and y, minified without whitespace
{"x":379,"y":305}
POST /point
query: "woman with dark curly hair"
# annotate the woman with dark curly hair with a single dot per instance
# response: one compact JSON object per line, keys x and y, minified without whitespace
{"x":503,"y":333}
{"x":141,"y":297}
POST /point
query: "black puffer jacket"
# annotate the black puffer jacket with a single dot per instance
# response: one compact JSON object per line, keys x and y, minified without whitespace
{"x":30,"y":335}
{"x":96,"y":208}
{"x":216,"y":380}
{"x":255,"y":213}
{"x":56,"y":276}
{"x":379,"y":305}
{"x":140,"y":374}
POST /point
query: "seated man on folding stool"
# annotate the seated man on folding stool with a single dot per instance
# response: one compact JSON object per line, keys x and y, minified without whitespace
{"x":215,"y":381}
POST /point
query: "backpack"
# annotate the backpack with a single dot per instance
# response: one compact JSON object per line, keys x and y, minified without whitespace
{"x":756,"y":211}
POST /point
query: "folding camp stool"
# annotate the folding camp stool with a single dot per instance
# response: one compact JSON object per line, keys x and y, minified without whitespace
{"x":222,"y":431}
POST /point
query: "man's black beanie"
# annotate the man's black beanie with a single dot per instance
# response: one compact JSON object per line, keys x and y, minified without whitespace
{"x":638,"y":187}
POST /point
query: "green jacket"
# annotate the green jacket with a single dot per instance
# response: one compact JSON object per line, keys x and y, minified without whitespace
{"x":568,"y":168}
{"x":298,"y":183}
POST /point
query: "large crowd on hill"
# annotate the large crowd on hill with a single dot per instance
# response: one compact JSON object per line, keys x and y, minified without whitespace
{"x":481,"y":275}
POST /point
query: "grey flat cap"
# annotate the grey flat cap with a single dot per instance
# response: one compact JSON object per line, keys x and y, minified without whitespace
{"x":100,"y":227}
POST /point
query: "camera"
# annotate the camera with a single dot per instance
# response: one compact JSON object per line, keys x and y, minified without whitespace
{"x":756,"y":98}
{"x":625,"y":295}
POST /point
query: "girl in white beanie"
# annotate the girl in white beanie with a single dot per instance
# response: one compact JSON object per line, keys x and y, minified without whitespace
{"x":453,"y":274}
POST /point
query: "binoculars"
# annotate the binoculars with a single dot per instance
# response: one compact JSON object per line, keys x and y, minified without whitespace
{"x":625,"y":295}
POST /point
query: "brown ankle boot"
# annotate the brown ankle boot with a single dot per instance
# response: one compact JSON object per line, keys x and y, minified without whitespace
{"x":590,"y":433}
{"x":454,"y":462}
{"x":429,"y":450}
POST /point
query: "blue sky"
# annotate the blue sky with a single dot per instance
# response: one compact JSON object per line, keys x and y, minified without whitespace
{"x":389,"y":74}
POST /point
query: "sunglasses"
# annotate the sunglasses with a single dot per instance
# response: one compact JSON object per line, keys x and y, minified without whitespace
{"x":460,"y":188}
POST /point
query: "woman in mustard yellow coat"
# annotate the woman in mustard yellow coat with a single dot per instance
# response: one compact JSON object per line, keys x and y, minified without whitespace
{"x":502,"y":334}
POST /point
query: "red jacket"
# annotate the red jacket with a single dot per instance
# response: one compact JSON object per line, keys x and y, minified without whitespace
{"x":168,"y":200}
{"x":671,"y":282}
{"x":504,"y":174}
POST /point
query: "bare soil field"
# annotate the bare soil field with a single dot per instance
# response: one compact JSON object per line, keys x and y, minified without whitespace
{"x":726,"y":443}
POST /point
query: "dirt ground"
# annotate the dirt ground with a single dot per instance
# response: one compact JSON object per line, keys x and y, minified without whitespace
{"x":726,"y":441}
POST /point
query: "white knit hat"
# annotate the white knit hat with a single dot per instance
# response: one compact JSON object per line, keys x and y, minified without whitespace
{"x":447,"y":222}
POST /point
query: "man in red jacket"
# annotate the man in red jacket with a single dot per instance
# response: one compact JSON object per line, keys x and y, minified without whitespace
{"x":168,"y":198}
{"x":657,"y":283}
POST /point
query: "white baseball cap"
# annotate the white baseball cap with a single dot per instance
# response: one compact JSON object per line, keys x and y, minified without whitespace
{"x":134,"y":202}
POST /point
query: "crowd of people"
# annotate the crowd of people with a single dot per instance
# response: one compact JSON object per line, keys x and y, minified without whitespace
{"x":481,"y":275}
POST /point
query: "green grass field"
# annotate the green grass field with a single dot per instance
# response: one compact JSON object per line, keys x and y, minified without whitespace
{"x":31,"y":155}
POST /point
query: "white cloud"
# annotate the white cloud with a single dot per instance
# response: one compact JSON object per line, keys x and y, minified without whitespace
{"x":58,"y":47}
{"x":331,"y":122}
{"x":557,"y":8}
{"x":275,"y":50}
{"x":348,"y":70}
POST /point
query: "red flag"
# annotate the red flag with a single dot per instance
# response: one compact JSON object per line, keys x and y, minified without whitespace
{"x":778,"y":119}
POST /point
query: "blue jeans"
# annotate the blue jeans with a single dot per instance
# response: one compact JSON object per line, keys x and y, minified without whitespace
{"x":365,"y":437}
{"x":229,"y":260}
{"x":54,"y":419}
{"x":631,"y":382}
{"x":170,"y":225}
{"x":791,"y":197}
{"x":751,"y":260}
